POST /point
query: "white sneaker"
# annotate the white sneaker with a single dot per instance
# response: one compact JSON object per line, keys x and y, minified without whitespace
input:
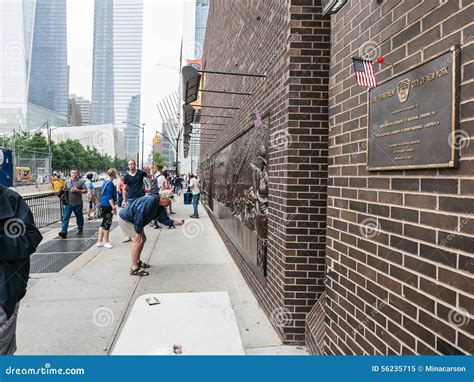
{"x":100,"y":244}
{"x":126,"y":240}
{"x":108,"y":245}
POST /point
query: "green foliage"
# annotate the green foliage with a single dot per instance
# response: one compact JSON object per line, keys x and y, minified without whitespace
{"x":66,"y":154}
{"x":158,"y":159}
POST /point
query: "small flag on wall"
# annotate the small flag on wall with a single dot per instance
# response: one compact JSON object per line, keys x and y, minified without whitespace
{"x":364,"y":72}
{"x":256,"y":119}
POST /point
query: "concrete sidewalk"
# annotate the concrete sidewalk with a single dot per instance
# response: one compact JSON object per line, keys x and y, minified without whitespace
{"x":81,"y":309}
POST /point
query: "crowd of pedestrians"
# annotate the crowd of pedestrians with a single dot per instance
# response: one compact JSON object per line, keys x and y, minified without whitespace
{"x":144,"y":198}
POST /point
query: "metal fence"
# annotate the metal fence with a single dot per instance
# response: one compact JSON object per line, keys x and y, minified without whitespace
{"x":39,"y":164}
{"x":47,"y":209}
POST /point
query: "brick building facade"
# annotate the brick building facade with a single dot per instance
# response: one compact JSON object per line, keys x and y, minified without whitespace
{"x":410,"y":282}
{"x":407,"y":288}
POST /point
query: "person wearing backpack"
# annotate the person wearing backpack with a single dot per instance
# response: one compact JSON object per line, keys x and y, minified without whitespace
{"x":108,"y":209}
{"x":19,"y":239}
{"x":195,"y":188}
{"x":73,"y":189}
{"x":166,"y":185}
{"x":91,"y":198}
{"x":158,"y":180}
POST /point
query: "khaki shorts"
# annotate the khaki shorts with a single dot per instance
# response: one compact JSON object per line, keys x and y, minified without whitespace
{"x":127,"y":228}
{"x":8,"y":331}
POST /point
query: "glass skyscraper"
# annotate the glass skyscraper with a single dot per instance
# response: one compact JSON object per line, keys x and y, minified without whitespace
{"x":116,"y":80}
{"x":202,"y":10}
{"x":131,"y":135}
{"x":49,"y":74}
{"x":13,"y":64}
{"x":33,"y":64}
{"x":102,"y":104}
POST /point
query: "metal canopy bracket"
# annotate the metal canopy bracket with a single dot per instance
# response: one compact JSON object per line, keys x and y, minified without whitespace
{"x":224,"y":92}
{"x":192,"y":79}
{"x":199,"y":115}
{"x":220,"y":107}
{"x":232,"y":74}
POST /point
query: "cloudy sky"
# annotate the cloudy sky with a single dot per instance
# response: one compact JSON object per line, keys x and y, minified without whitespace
{"x":162,"y":33}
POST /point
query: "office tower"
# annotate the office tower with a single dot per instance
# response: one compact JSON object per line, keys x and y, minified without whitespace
{"x":82,"y":107}
{"x":202,"y":10}
{"x":85,"y":106}
{"x":132,"y":133}
{"x":13,"y":64}
{"x":102,"y":104}
{"x":49,"y":73}
{"x":74,"y":117}
{"x":33,"y":64}
{"x":168,"y":150}
{"x":116,"y":82}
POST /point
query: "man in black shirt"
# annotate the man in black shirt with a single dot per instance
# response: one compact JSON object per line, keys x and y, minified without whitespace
{"x":133,"y":183}
{"x":133,"y":186}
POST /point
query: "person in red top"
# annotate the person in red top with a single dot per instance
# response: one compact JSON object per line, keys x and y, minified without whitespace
{"x":120,"y":185}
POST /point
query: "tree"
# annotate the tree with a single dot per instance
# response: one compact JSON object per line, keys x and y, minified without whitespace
{"x":36,"y":142}
{"x":158,"y":159}
{"x":66,"y":155}
{"x":120,"y":165}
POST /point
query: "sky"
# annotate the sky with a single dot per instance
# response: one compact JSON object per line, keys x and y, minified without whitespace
{"x":162,"y":34}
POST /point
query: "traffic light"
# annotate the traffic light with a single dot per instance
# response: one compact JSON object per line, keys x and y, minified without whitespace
{"x":156,"y":139}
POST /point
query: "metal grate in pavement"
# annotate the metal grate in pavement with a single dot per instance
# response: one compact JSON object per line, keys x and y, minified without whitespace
{"x":52,"y":262}
{"x":56,"y":254}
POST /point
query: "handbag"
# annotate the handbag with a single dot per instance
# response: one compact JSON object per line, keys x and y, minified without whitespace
{"x":98,"y":211}
{"x":64,"y":195}
{"x":188,"y":198}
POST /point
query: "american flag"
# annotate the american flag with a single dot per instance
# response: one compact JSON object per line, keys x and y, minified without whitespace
{"x":364,"y":72}
{"x":257,"y":119}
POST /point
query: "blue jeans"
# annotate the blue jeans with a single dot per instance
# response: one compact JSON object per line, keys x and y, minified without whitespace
{"x":68,"y":210}
{"x":195,"y":204}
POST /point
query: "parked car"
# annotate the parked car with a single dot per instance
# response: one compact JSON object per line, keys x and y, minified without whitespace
{"x":102,"y":176}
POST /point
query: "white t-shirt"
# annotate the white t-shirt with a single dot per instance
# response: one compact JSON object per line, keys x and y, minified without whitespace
{"x":195,"y":186}
{"x":160,"y":180}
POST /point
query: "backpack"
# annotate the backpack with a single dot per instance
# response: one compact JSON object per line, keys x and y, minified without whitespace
{"x":155,"y":189}
{"x":64,"y":194}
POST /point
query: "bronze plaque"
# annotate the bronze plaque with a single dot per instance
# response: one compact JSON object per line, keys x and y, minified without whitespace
{"x":413,"y":118}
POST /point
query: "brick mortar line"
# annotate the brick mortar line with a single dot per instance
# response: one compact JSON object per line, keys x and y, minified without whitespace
{"x":403,"y":192}
{"x":420,"y":225}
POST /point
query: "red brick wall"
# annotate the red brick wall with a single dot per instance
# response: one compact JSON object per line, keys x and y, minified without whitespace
{"x":289,"y":40}
{"x":408,"y":287}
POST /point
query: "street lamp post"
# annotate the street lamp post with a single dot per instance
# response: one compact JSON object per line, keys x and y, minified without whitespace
{"x":174,"y":146}
{"x":142,"y":128}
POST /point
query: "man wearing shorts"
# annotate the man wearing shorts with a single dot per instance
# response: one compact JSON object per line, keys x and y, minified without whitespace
{"x":132,"y":186}
{"x":135,"y":217}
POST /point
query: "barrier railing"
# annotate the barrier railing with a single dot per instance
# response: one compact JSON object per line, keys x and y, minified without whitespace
{"x":47,"y":209}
